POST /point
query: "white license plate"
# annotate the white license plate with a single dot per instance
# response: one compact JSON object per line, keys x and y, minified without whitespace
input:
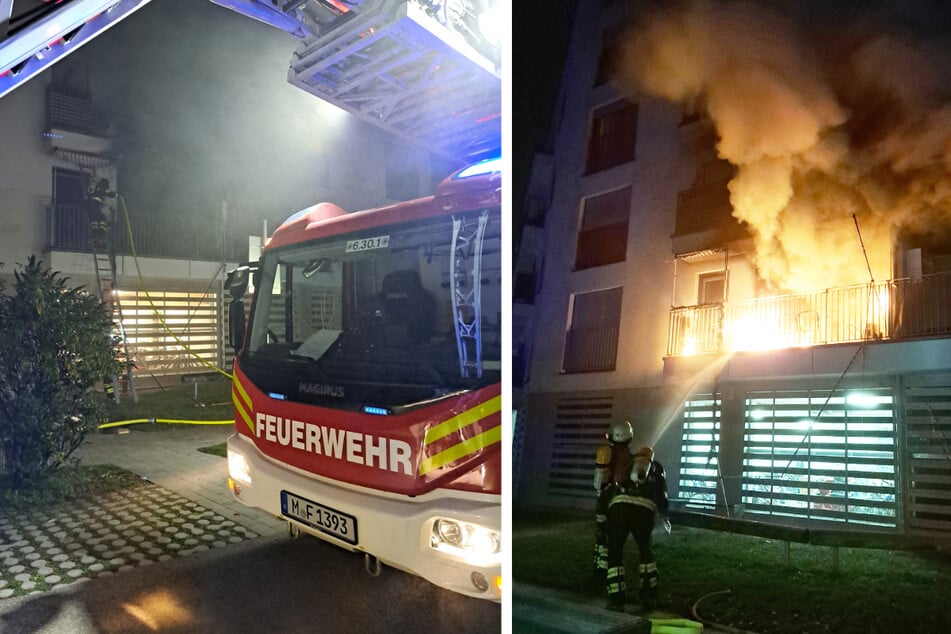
{"x":365,"y":244}
{"x":323,"y":518}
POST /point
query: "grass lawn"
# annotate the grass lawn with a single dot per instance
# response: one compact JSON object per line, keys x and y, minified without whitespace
{"x":178,"y":403}
{"x":863,"y":591}
{"x":66,"y":486}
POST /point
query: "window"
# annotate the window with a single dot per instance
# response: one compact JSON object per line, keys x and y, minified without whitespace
{"x":711,"y":288}
{"x":612,"y":136}
{"x":591,"y":340}
{"x":603,"y":235}
{"x":69,"y":187}
{"x":609,"y":56}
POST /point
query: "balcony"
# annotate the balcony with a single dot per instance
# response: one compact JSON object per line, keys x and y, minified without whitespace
{"x":894,"y":309}
{"x":705,"y":219}
{"x":188,"y":238}
{"x":75,"y":125}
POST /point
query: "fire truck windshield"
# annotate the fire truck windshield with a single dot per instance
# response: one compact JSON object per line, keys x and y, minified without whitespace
{"x":395,"y":316}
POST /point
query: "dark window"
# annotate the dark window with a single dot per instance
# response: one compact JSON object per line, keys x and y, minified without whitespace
{"x":612,"y":136}
{"x":523,"y":288}
{"x":591,"y":340}
{"x":69,"y":187}
{"x":609,"y":57}
{"x":603,"y":235}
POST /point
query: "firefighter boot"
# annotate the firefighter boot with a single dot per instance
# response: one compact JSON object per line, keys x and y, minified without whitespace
{"x":601,"y":554}
{"x":616,"y":586}
{"x":648,"y":574}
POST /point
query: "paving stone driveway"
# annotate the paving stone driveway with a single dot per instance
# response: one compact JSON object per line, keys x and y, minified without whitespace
{"x":135,"y":527}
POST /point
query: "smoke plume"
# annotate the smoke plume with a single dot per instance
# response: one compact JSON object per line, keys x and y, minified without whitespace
{"x":820,"y":126}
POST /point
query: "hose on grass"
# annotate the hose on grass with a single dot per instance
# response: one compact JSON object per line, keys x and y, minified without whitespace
{"x":675,"y":626}
{"x":716,"y":626}
{"x":171,"y":421}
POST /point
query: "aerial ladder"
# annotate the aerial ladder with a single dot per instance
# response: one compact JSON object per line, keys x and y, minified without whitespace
{"x":465,"y":271}
{"x":426,"y":71}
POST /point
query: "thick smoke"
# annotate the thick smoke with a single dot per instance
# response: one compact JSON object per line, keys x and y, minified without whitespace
{"x":820,"y":126}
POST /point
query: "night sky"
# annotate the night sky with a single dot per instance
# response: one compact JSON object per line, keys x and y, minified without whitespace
{"x":540,"y":33}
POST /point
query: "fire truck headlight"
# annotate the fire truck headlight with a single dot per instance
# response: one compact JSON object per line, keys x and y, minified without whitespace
{"x":474,"y":543}
{"x":238,"y":468}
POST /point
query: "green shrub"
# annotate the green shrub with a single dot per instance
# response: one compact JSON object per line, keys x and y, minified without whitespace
{"x":57,"y":344}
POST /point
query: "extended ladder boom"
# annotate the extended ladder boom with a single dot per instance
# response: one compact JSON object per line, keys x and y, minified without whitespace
{"x":467,"y":238}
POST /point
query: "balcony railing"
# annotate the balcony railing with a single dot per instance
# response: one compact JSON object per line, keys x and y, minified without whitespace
{"x":894,"y":309}
{"x":191,"y":238}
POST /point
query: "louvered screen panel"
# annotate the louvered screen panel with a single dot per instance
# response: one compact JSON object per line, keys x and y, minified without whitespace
{"x":580,"y":426}
{"x":699,"y":451}
{"x":193,"y":317}
{"x":928,"y":422}
{"x":809,"y":456}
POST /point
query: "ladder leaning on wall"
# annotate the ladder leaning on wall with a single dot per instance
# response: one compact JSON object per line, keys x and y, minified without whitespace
{"x":107,"y":283}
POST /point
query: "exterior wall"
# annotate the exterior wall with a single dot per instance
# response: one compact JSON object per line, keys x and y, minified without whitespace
{"x":314,"y":150}
{"x":660,"y":169}
{"x":26,"y":173}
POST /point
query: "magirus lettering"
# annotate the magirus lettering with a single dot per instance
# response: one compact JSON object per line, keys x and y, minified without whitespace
{"x":319,"y":389}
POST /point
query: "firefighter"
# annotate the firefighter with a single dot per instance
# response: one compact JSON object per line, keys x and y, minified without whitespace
{"x":639,"y":494}
{"x":612,"y":457}
{"x":98,"y":221}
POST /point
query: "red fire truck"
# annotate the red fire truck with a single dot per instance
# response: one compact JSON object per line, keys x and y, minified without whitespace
{"x":367,"y":390}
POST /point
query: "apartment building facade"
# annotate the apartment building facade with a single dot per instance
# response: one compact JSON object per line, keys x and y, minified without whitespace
{"x":827,"y":408}
{"x":60,"y":137}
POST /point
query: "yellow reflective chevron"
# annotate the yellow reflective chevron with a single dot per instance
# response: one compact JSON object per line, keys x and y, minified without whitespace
{"x":464,"y":419}
{"x":467,"y":446}
{"x":240,"y":398}
{"x":470,"y":445}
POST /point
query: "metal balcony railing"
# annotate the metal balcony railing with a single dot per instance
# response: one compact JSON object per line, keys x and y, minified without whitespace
{"x":894,"y":309}
{"x":191,"y":238}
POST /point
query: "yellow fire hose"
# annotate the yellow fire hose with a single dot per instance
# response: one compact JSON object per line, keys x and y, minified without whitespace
{"x":174,"y":421}
{"x":675,"y":626}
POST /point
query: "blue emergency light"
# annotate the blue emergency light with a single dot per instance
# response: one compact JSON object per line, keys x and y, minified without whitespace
{"x":482,"y":167}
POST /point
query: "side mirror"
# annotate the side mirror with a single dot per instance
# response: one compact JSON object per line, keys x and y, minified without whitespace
{"x":237,"y":281}
{"x":236,"y":323}
{"x":237,"y":285}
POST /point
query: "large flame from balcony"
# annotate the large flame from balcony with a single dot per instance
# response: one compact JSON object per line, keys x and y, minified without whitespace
{"x":820,"y":126}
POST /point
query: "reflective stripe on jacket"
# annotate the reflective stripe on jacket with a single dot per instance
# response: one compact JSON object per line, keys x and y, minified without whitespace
{"x":624,"y":498}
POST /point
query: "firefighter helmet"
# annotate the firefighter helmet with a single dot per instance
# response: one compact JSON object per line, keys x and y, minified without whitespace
{"x":621,"y":432}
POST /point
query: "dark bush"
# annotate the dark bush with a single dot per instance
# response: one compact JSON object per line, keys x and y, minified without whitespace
{"x":56,"y":345}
